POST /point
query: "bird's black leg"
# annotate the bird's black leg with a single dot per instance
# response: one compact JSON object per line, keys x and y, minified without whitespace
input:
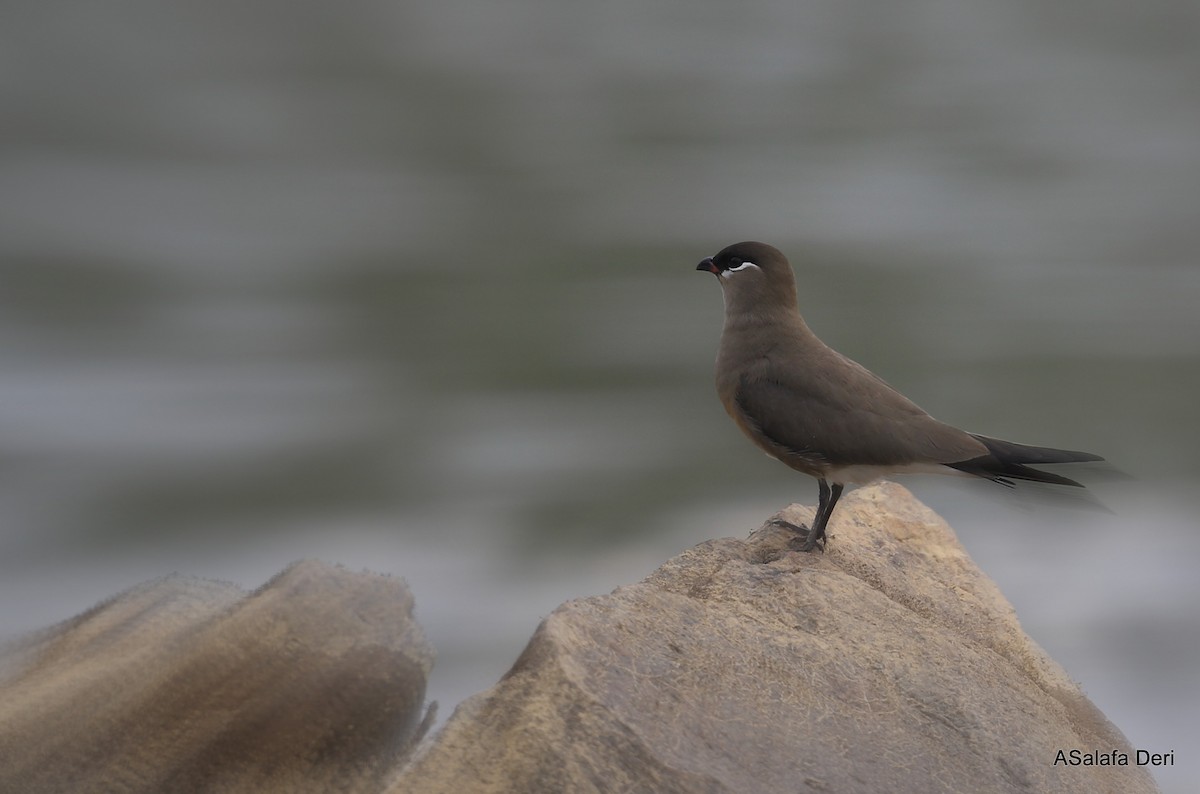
{"x":826,"y":497}
{"x":822,"y":499}
{"x":827,"y":500}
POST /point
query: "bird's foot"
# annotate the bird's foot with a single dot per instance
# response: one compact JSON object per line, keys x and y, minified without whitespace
{"x":799,"y":530}
{"x":813,"y":540}
{"x":816,"y":540}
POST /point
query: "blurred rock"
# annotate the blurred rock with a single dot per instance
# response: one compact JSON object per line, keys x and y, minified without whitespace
{"x":315,"y":682}
{"x":888,"y":664}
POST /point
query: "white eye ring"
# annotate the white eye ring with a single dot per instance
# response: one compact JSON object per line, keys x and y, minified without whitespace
{"x":742,"y":266}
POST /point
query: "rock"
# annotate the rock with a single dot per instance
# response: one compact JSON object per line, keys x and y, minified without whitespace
{"x":888,"y":664}
{"x":315,"y":682}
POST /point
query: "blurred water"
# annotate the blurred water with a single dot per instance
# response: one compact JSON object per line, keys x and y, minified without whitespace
{"x":410,"y":287}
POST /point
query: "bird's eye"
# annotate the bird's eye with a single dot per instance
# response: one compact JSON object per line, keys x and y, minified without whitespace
{"x":742,"y":266}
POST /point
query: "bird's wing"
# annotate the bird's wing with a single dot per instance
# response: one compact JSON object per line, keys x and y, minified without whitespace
{"x":845,"y":417}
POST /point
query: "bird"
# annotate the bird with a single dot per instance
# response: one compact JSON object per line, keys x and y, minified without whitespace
{"x":824,"y":415}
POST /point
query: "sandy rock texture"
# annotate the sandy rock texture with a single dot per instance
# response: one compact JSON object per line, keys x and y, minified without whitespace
{"x":891,"y":663}
{"x":315,"y":682}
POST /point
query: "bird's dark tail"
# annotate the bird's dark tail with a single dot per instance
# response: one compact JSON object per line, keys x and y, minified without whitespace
{"x":1007,"y":461}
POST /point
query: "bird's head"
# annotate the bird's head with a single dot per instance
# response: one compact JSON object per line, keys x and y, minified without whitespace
{"x":754,"y":276}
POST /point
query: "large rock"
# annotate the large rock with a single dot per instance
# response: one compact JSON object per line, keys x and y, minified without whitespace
{"x":315,"y":682}
{"x":888,"y":664}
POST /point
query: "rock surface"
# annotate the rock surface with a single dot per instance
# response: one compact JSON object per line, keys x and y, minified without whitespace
{"x":315,"y":682}
{"x":888,"y":664}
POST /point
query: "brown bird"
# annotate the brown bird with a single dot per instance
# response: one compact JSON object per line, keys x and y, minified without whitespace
{"x":812,"y":408}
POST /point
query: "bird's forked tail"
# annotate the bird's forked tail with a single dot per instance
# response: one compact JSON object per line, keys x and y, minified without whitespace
{"x":1006,"y":461}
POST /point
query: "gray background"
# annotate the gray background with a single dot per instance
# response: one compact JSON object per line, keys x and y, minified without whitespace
{"x":409,"y":286}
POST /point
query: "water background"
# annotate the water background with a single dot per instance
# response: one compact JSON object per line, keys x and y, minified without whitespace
{"x":409,"y":286}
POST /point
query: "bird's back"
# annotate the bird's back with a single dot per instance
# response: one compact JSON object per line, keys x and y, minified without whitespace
{"x":819,"y":411}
